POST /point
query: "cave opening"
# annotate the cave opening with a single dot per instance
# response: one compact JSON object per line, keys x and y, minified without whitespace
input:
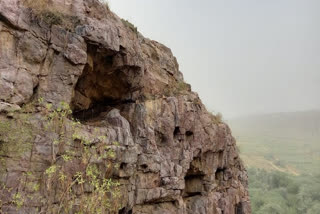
{"x":124,"y":211}
{"x":123,"y":165}
{"x":178,"y":136}
{"x":239,"y":208}
{"x":219,"y":174}
{"x":194,"y":179}
{"x":189,"y":133}
{"x":106,"y":82}
{"x":176,"y":131}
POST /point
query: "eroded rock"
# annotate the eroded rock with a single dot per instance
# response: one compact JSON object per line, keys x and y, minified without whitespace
{"x":171,"y":155}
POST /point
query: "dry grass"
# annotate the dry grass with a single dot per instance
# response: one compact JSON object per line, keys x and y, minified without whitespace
{"x":180,"y":88}
{"x":106,"y":4}
{"x":44,"y":11}
{"x":216,"y":119}
{"x":37,"y":6}
{"x":130,"y":25}
{"x":47,"y":13}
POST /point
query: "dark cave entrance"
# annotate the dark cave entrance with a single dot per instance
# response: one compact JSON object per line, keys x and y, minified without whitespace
{"x":219,"y":174}
{"x":239,"y":208}
{"x":125,"y":211}
{"x":106,"y":82}
{"x":194,"y":179}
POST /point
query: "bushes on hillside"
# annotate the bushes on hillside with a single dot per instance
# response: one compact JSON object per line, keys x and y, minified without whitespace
{"x":278,"y":193}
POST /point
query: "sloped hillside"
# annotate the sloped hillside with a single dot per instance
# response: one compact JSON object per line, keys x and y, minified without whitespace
{"x":288,"y":142}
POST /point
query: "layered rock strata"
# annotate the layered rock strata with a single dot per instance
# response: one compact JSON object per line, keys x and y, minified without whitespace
{"x":172,"y":156}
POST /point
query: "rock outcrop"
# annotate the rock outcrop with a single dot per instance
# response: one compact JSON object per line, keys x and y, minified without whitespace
{"x":163,"y":151}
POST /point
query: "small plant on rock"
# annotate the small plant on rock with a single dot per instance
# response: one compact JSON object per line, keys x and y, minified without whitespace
{"x":74,"y":185}
{"x":216,"y":118}
{"x":106,"y":4}
{"x":130,"y":25}
{"x":80,"y":167}
{"x":45,"y":12}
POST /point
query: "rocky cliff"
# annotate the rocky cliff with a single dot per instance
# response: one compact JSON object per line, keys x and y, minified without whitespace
{"x":95,"y":118}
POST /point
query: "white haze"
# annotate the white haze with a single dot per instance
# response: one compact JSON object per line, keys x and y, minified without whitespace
{"x":242,"y":57}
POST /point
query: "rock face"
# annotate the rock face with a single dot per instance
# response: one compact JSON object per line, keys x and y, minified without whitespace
{"x":172,"y":156}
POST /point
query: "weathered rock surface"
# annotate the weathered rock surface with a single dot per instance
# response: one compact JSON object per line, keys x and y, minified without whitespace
{"x":172,"y":157}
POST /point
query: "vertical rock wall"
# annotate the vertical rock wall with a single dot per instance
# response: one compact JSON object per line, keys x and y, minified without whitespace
{"x":172,"y":155}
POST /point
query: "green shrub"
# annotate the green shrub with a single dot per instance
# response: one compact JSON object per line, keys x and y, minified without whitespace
{"x":182,"y":86}
{"x":179,"y":88}
{"x":68,"y":147}
{"x":277,"y":192}
{"x":130,"y":25}
{"x":104,"y":191}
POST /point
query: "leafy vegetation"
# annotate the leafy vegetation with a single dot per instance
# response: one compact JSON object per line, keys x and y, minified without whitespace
{"x":282,"y":153}
{"x":80,"y":166}
{"x":89,"y":177}
{"x":281,"y":193}
{"x":15,"y":137}
{"x":180,"y":88}
{"x":130,"y":25}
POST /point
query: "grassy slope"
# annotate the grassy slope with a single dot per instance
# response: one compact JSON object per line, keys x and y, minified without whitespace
{"x":287,"y":142}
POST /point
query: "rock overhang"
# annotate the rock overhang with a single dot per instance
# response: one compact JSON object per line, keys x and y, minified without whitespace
{"x":172,"y":157}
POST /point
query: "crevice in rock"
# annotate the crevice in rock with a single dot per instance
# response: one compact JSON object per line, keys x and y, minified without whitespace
{"x":219,"y":174}
{"x":144,"y":166}
{"x":10,"y":24}
{"x":161,"y":138}
{"x":35,"y":89}
{"x":239,"y":208}
{"x":104,"y":84}
{"x":189,"y":133}
{"x":178,"y":135}
{"x":125,"y":211}
{"x":98,"y":107}
{"x":122,"y":211}
{"x":176,"y":131}
{"x":34,"y":93}
{"x":123,"y":165}
{"x":158,"y":202}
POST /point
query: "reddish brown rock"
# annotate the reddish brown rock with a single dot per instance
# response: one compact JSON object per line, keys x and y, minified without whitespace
{"x":173,"y":156}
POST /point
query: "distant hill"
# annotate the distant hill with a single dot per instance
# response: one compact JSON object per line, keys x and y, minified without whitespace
{"x":287,"y":142}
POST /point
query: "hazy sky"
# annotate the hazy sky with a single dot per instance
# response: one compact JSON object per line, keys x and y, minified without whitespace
{"x":241,"y":56}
